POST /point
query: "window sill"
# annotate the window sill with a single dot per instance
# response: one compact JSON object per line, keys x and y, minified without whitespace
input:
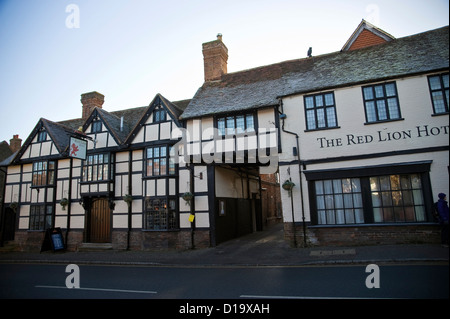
{"x":403,"y":224}
{"x":161,"y":230}
{"x":440,"y":114}
{"x":384,"y":121}
{"x":96,"y":182}
{"x":322,"y":129}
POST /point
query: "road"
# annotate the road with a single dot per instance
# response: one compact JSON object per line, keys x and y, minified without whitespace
{"x":33,"y":281}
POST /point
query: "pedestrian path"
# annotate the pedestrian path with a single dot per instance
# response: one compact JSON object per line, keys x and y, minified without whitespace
{"x":266,"y":248}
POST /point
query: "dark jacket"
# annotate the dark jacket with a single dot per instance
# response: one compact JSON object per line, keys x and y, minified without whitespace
{"x":442,"y":208}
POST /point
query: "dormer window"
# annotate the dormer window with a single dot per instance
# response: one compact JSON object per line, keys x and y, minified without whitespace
{"x":96,"y":126}
{"x":159,"y":115}
{"x":42,"y":136}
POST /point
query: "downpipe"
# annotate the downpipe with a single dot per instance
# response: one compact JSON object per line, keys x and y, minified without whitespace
{"x":300,"y":181}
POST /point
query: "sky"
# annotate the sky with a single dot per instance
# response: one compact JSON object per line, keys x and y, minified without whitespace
{"x":52,"y":51}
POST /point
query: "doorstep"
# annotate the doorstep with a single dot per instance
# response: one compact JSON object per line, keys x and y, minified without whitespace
{"x":95,"y":246}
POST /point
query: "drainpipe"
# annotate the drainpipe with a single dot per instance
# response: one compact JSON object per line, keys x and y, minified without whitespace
{"x":299,"y":175}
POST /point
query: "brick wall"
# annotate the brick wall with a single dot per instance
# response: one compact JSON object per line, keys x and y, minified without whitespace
{"x":366,"y":39}
{"x":364,"y":235}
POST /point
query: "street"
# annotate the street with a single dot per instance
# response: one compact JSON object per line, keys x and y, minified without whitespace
{"x":47,"y":281}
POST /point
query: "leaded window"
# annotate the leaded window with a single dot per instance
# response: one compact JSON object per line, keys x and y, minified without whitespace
{"x":381,"y":102}
{"x":40,"y":217}
{"x":159,"y":161}
{"x":320,"y":111}
{"x":43,"y":173}
{"x":439,"y":92}
{"x":397,"y":198}
{"x":236,"y":124}
{"x":96,"y":167}
{"x":160,"y":214}
{"x":339,"y":201}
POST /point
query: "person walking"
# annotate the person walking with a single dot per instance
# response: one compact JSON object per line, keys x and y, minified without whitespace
{"x":442,"y":208}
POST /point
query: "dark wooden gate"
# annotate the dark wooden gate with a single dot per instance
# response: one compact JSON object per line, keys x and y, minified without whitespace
{"x":100,"y":226}
{"x":9,"y":224}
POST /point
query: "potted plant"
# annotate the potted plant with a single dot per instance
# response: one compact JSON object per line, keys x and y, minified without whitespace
{"x":288,"y":185}
{"x":64,"y":202}
{"x":188,"y":197}
{"x":14,"y":206}
{"x":128,"y":199}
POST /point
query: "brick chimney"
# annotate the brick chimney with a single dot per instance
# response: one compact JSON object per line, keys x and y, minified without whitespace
{"x":90,"y":101}
{"x":215,"y":57}
{"x":15,"y":143}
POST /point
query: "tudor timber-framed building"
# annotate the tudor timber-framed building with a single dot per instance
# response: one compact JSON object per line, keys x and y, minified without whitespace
{"x":362,"y":133}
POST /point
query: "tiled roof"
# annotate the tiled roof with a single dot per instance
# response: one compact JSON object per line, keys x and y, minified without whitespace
{"x":260,"y":87}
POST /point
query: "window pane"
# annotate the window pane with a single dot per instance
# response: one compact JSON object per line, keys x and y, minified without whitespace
{"x":435,"y":82}
{"x":221,"y":126}
{"x":309,"y":102}
{"x":374,"y":184}
{"x":156,"y":166}
{"x":150,"y":168}
{"x":381,"y":107}
{"x":230,"y":125}
{"x":320,"y":202}
{"x":340,"y":218}
{"x":338,"y":201}
{"x":346,"y":185}
{"x":162,"y":166}
{"x":384,"y":183}
{"x":319,"y":100}
{"x":379,"y":91}
{"x":163,"y":152}
{"x":331,"y":117}
{"x":359,"y":216}
{"x":371,"y":113}
{"x":250,"y":123}
{"x":390,"y":89}
{"x":329,"y":100}
{"x":328,"y":186}
{"x":445,"y":80}
{"x":311,"y":119}
{"x":420,"y":213}
{"x":356,"y":185}
{"x":393,"y":108}
{"x":320,"y":118}
{"x":240,"y":124}
{"x":415,"y":181}
{"x":319,"y":187}
{"x":438,"y":101}
{"x":395,"y":181}
{"x":368,"y":93}
{"x":376,"y":199}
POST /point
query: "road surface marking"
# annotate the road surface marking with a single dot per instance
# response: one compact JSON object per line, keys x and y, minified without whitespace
{"x":100,"y":289}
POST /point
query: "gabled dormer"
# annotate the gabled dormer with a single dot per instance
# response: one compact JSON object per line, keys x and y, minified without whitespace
{"x":366,"y":35}
{"x":157,"y":122}
{"x":106,"y":130}
{"x":47,"y":140}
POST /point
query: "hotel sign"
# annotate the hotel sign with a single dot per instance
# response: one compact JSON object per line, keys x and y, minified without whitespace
{"x":383,"y":136}
{"x":77,"y":148}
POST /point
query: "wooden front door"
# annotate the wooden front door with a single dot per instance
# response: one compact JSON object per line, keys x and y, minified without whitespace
{"x":100,"y":228}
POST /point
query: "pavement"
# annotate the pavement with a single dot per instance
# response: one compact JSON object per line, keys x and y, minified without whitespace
{"x":266,"y":248}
